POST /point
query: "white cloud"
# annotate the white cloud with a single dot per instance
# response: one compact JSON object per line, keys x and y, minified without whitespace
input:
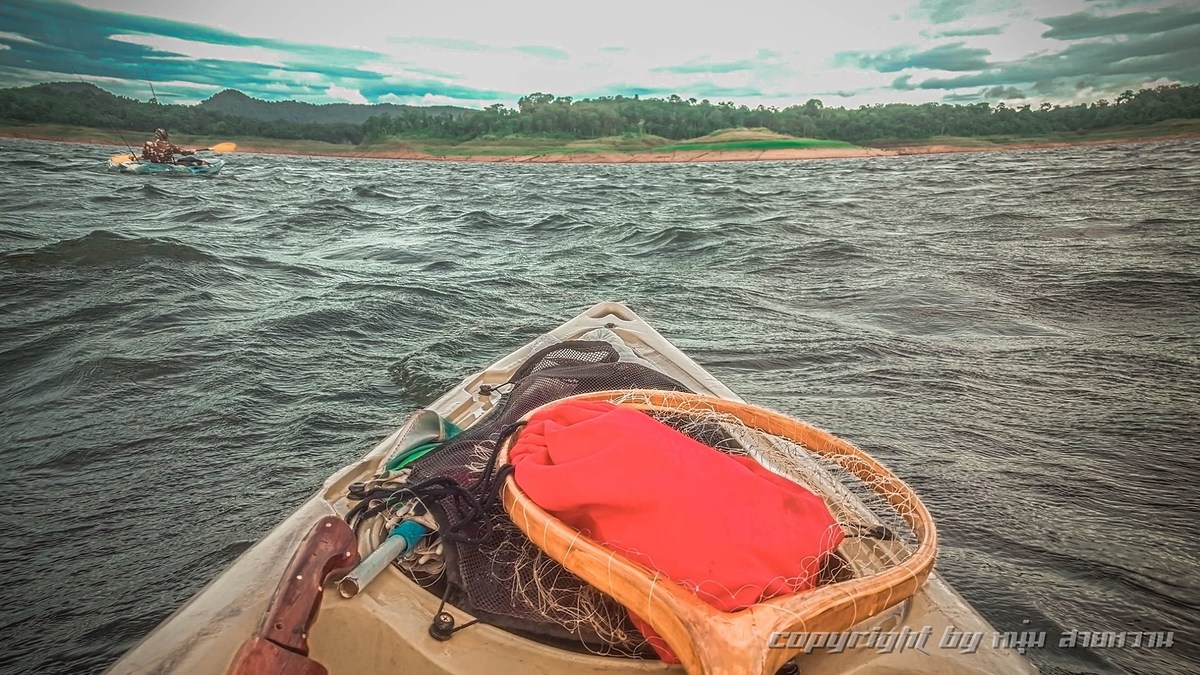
{"x":13,"y":37}
{"x":621,"y":43}
{"x":204,"y":50}
{"x":346,"y":94}
{"x":434,"y":99}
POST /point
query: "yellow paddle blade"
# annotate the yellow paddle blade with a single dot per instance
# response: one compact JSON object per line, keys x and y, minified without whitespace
{"x":118,"y":159}
{"x":224,"y":147}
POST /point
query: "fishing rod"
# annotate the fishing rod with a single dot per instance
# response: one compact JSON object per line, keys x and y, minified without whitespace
{"x":153,"y":94}
{"x":120,"y":135}
{"x":132,"y":152}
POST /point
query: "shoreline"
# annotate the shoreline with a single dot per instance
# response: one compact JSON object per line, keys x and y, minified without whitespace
{"x":640,"y":157}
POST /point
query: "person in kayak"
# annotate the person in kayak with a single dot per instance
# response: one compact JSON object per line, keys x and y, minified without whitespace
{"x":162,"y":151}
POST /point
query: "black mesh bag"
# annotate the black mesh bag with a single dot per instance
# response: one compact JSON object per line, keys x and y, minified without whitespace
{"x":479,"y":574}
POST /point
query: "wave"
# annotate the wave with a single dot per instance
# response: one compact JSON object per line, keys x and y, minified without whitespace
{"x":33,"y":164}
{"x":424,"y":209}
{"x":442,"y":266}
{"x":833,"y":251}
{"x":1000,"y":217}
{"x":202,"y":215}
{"x":18,"y":234}
{"x":397,"y":256}
{"x":267,"y":265}
{"x":559,"y":222}
{"x":482,"y":219}
{"x":673,"y":240}
{"x":1153,"y":290}
{"x":105,"y":249}
{"x":374,"y":192}
{"x":152,"y":190}
{"x":1168,"y":221}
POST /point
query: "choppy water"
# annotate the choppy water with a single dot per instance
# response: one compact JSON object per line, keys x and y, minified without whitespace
{"x":1018,"y":335}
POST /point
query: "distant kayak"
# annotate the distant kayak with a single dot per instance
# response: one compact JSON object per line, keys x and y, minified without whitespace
{"x":143,"y":167}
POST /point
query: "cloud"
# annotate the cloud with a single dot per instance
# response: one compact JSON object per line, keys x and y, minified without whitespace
{"x":701,"y":90}
{"x":947,"y":11}
{"x":82,"y":42}
{"x":471,"y":46}
{"x":67,"y":24}
{"x":1005,"y":93}
{"x":970,"y":32}
{"x":973,"y":97}
{"x":175,"y":47}
{"x":1087,"y":25}
{"x":1173,"y":54}
{"x":1110,"y":4}
{"x":346,"y":94}
{"x":940,"y":11}
{"x":433,"y":99}
{"x":13,"y":37}
{"x":935,"y":50}
{"x":707,"y":67}
{"x":953,"y":57}
{"x":710,"y":90}
{"x":419,"y":88}
{"x":442,"y":43}
{"x":543,"y":52}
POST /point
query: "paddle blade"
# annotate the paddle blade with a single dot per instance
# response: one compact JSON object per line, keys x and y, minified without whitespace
{"x":120,"y":159}
{"x":223,"y":147}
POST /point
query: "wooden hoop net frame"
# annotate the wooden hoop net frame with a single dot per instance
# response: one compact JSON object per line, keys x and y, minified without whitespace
{"x":705,"y":639}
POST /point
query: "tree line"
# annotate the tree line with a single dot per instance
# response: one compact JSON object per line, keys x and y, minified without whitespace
{"x":675,"y":118}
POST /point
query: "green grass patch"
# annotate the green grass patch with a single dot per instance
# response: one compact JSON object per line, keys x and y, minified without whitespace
{"x":738,"y":134}
{"x":773,"y":144}
{"x":538,"y":145}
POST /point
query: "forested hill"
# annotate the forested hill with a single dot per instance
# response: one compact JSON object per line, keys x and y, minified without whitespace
{"x":86,"y":105}
{"x":233,"y":102}
{"x":233,"y":114}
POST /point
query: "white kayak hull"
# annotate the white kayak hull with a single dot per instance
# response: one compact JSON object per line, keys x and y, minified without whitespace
{"x":386,"y":627}
{"x":210,"y":168}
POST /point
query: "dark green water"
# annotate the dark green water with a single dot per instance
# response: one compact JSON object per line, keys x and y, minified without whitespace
{"x":1017,"y":335}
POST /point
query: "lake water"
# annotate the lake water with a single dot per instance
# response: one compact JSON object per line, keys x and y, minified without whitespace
{"x":1017,"y":335}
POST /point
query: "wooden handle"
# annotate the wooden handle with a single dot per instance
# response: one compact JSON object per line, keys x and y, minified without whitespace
{"x":330,"y":546}
{"x":263,"y":657}
{"x":281,"y":645}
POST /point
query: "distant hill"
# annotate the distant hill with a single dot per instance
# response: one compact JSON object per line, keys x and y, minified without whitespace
{"x":69,"y":89}
{"x":233,"y":102}
{"x":84,"y":104}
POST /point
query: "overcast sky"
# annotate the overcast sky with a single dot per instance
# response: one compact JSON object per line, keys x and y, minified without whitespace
{"x":780,"y":52}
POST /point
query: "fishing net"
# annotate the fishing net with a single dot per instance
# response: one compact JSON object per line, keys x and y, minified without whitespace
{"x":888,"y":547}
{"x":510,"y":564}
